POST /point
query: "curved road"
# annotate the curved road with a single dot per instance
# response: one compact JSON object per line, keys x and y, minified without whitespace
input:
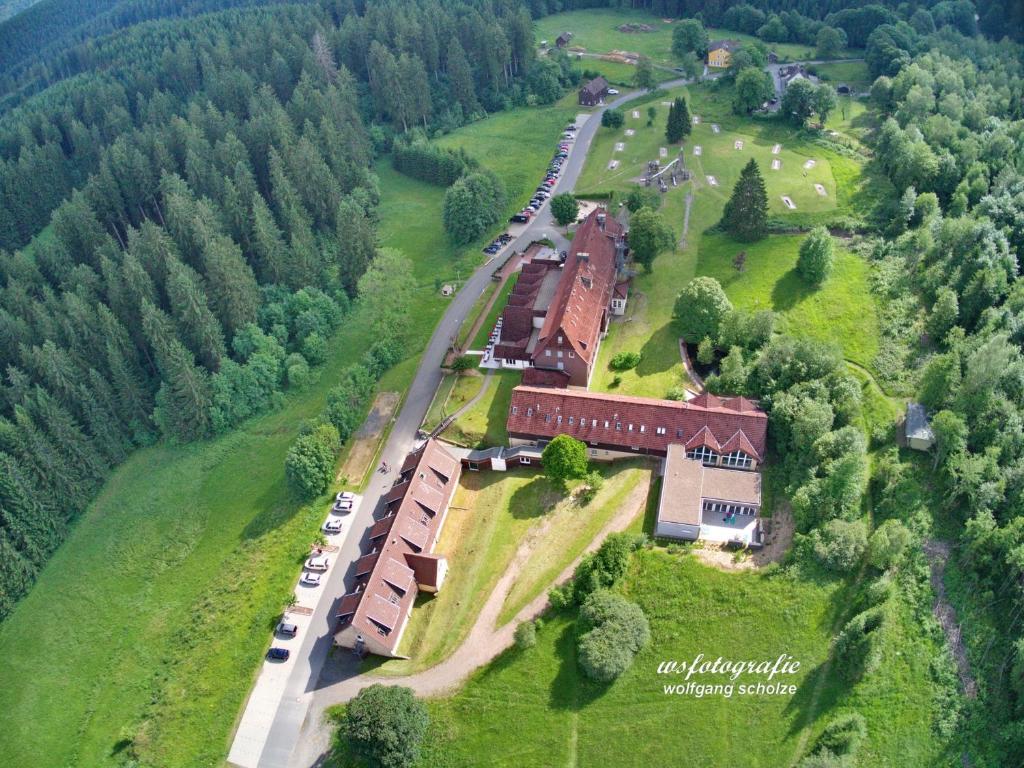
{"x":308,"y":661}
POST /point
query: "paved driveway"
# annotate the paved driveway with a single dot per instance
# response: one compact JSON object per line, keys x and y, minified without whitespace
{"x":307,"y":663}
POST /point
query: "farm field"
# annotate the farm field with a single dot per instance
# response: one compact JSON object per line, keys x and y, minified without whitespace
{"x":596,"y":30}
{"x":491,"y":515}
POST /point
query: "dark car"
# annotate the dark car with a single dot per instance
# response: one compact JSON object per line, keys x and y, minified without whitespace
{"x":287,"y":629}
{"x":278,"y":654}
{"x":520,"y":218}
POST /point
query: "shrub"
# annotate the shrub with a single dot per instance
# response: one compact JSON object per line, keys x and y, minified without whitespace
{"x":526,"y":635}
{"x":431,"y":163}
{"x":463,"y":363}
{"x":309,"y":465}
{"x":814,"y":264}
{"x":839,"y":544}
{"x":564,"y":458}
{"x":706,"y":351}
{"x":565,"y":208}
{"x":676,"y":393}
{"x":843,"y":734}
{"x":297,"y":371}
{"x":624,"y":361}
{"x":385,"y":725}
{"x":612,"y":118}
{"x":601,"y":569}
{"x":612,"y":631}
{"x":592,"y":483}
{"x":888,"y":543}
{"x":858,"y":644}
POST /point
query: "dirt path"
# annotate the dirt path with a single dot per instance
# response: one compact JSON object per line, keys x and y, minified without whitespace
{"x":937,"y":553}
{"x":686,"y":219}
{"x":485,"y":641}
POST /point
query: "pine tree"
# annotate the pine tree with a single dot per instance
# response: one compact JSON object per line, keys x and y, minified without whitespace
{"x":70,"y":441}
{"x":184,"y":399}
{"x":200,"y":329}
{"x":679,"y":123}
{"x":746,"y":214}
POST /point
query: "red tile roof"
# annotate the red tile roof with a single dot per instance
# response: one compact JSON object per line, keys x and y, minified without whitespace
{"x":585,"y":290}
{"x":545,"y":377}
{"x":425,"y":489}
{"x":641,"y":423}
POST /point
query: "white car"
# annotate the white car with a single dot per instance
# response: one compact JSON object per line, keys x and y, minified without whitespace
{"x":332,"y":526}
{"x":318,"y":563}
{"x":341,"y":507}
{"x":612,"y":92}
{"x":345,"y":496}
{"x":310,"y":579}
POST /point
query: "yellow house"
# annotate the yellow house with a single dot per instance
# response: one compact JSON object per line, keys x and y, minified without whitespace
{"x":720,"y":53}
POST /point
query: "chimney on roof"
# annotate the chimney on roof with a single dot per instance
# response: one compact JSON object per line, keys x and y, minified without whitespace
{"x":600,"y":220}
{"x":583,"y":256}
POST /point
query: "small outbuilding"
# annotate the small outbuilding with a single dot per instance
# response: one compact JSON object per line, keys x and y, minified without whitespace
{"x":563,"y":39}
{"x":593,"y":92}
{"x":918,"y":431}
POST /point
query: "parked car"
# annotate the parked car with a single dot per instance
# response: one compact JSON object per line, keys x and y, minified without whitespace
{"x":310,"y":579}
{"x":287,"y":629}
{"x":341,"y":507}
{"x":520,"y":218}
{"x":334,"y":525}
{"x":613,"y":92}
{"x":345,"y":496}
{"x":278,"y":654}
{"x":318,"y":563}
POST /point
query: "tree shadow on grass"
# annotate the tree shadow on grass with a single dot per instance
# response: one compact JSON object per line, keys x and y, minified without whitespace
{"x":789,"y":291}
{"x":278,"y":505}
{"x":535,"y":499}
{"x":660,"y":352}
{"x":570,"y":690}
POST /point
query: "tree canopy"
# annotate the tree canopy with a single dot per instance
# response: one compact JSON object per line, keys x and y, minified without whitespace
{"x":746,"y":213}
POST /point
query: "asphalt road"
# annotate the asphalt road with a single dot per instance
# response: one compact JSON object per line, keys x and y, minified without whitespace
{"x":309,"y":660}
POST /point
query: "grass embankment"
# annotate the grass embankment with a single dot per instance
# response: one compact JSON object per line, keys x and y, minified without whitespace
{"x":145,"y":629}
{"x":483,"y":425}
{"x":482,"y":335}
{"x":491,"y":515}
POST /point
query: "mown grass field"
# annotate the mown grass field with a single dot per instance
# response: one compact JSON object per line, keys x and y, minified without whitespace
{"x":483,"y":425}
{"x":615,"y":72}
{"x":491,"y":515}
{"x":596,"y":30}
{"x":533,"y":708}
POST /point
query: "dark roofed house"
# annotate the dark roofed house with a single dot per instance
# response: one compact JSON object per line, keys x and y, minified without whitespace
{"x":917,"y":429}
{"x":563,"y":39}
{"x":400,"y":561}
{"x":593,"y":92}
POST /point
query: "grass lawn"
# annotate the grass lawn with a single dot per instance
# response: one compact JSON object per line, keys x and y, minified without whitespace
{"x":615,"y":72}
{"x":533,"y":708}
{"x":573,"y":528}
{"x":841,"y":311}
{"x":596,"y":30}
{"x":490,"y":514}
{"x":853,"y":73}
{"x":454,"y":392}
{"x":517,"y":144}
{"x":480,"y":341}
{"x":484,"y":424}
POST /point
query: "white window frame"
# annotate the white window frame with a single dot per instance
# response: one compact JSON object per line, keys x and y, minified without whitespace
{"x":704,"y":455}
{"x":737,"y":459}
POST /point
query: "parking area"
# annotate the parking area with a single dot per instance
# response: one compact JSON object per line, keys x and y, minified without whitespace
{"x":261,"y":708}
{"x":546,"y":188}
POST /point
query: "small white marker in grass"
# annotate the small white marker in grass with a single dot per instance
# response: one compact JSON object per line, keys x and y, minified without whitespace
{"x":821,"y":190}
{"x":809,"y":164}
{"x":712,"y":181}
{"x":737,"y":145}
{"x":636,"y":114}
{"x":715,"y":128}
{"x":776,"y":164}
{"x":697,"y":150}
{"x":662,"y":152}
{"x":613,"y":165}
{"x":776,"y":149}
{"x":696,"y":119}
{"x":788,"y":203}
{"x":630,"y":132}
{"x":619,"y":146}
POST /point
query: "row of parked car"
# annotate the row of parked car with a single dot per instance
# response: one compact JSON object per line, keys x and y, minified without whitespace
{"x":315,"y":567}
{"x":543,"y":191}
{"x":498,"y":243}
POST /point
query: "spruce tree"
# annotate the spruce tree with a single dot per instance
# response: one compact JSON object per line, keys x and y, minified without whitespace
{"x":184,"y":399}
{"x":188,"y":302}
{"x":357,"y":243}
{"x":460,"y":78}
{"x":679,"y":124}
{"x":233,"y":291}
{"x":746,"y":214}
